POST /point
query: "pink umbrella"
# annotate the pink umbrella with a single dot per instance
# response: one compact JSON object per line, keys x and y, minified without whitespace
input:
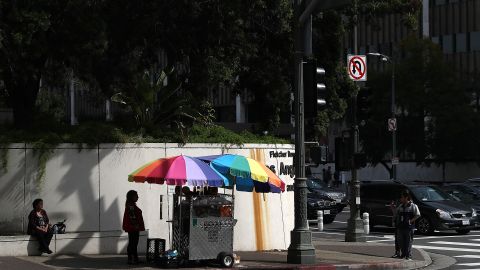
{"x":177,"y":170}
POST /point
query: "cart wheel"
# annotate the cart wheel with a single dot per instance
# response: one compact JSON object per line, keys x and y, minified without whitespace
{"x":181,"y":263}
{"x":226,"y":260}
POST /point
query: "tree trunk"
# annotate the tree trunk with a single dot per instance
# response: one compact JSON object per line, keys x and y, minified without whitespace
{"x":23,"y":95}
{"x":388,"y":168}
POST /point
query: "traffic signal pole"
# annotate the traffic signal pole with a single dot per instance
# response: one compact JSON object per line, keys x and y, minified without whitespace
{"x":394,"y":131}
{"x":355,"y":232}
{"x":301,"y":250}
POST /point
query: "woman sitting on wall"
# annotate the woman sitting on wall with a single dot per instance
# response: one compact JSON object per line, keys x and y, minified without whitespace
{"x":38,"y":226}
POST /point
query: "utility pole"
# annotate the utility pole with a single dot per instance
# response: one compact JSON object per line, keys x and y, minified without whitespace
{"x":355,"y":232}
{"x":301,"y":250}
{"x":391,"y":60}
{"x":394,"y":131}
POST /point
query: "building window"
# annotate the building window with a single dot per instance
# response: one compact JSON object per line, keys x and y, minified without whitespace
{"x":361,"y":50}
{"x":461,"y":42}
{"x":436,"y":40}
{"x":440,"y":2}
{"x":447,"y":44}
{"x":475,"y":41}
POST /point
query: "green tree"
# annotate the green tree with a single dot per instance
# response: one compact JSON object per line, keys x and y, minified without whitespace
{"x":40,"y":37}
{"x":237,"y":44}
{"x":435,"y":118}
{"x":328,"y":32}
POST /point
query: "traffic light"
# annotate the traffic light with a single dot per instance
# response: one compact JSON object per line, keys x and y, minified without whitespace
{"x":343,"y":153}
{"x":319,"y":154}
{"x":364,"y":104}
{"x":360,"y":160}
{"x":314,"y":89}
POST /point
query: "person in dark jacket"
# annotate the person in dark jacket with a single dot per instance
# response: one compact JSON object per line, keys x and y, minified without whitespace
{"x":393,"y":207}
{"x":39,"y":226}
{"x":133,"y":224}
{"x":405,"y":216}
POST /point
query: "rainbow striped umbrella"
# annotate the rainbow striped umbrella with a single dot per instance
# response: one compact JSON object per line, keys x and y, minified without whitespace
{"x":178,"y":170}
{"x":245,"y":173}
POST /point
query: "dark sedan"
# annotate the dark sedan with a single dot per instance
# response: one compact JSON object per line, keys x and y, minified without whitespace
{"x":319,"y":202}
{"x":468,"y":198}
{"x":438,"y":211}
{"x":317,"y":186}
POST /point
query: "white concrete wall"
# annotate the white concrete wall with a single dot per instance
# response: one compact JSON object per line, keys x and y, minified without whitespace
{"x":72,"y":243}
{"x":88,"y":187}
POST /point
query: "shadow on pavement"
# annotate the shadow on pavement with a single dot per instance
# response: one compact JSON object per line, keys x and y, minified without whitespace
{"x":83,"y":262}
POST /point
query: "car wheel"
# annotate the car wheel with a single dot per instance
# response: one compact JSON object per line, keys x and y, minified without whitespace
{"x":424,"y":226}
{"x":226,"y":259}
{"x":463,"y":231}
{"x":328,"y":219}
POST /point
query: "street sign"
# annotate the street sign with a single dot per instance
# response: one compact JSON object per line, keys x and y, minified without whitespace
{"x":395,"y":161}
{"x":357,"y":67}
{"x":392,"y":124}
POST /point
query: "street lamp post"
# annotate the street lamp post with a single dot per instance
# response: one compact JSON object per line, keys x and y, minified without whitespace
{"x":386,"y":58}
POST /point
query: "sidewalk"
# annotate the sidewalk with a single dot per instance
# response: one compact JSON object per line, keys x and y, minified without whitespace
{"x":329,"y":255}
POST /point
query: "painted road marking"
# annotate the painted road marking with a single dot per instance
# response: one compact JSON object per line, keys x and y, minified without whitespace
{"x":432,"y":237}
{"x":455,"y":243}
{"x":468,"y":256}
{"x":447,"y":248}
{"x":469,"y":264}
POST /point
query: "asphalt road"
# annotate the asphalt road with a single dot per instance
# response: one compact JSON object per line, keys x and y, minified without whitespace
{"x":465,"y":249}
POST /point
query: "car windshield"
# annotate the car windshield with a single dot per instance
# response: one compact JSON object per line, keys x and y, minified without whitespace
{"x":462,"y":196}
{"x":312,"y":184}
{"x":429,"y":194}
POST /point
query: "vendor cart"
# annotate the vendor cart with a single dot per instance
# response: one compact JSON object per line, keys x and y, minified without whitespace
{"x":203,"y":228}
{"x":203,"y":219}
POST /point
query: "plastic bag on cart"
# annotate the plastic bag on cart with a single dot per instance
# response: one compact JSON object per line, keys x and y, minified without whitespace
{"x":170,"y":254}
{"x":170,"y":259}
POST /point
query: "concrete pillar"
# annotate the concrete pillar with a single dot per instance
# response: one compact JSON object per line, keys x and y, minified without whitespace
{"x":73,"y":117}
{"x":108,"y":110}
{"x":239,"y":110}
{"x":425,"y":19}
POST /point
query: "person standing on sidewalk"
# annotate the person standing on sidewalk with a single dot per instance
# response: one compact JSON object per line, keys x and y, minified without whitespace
{"x":133,"y":224}
{"x":393,"y":207}
{"x":328,"y":176}
{"x":406,"y":214}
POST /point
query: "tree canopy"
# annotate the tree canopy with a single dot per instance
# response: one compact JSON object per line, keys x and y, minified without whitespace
{"x":113,"y":46}
{"x":435,"y":119}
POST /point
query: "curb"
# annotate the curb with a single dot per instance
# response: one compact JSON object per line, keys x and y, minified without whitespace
{"x":290,"y":267}
{"x":426,"y":257}
{"x":380,"y":266}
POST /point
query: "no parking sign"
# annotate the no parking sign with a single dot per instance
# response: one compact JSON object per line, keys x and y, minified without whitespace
{"x":357,"y":67}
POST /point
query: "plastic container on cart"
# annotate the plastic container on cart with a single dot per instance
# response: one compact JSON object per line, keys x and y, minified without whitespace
{"x":155,"y":248}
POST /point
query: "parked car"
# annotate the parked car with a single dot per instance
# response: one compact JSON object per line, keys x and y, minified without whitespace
{"x":469,"y":198}
{"x":438,"y":210}
{"x":467,"y":187}
{"x":318,"y":201}
{"x":318,"y":186}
